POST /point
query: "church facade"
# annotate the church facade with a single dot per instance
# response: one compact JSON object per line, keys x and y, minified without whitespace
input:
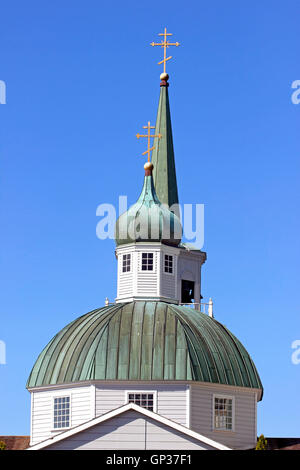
{"x":151,"y":370}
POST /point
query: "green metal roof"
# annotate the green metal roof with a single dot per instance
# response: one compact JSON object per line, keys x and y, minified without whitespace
{"x":148,"y":220}
{"x":164,"y":173}
{"x":145,"y":341}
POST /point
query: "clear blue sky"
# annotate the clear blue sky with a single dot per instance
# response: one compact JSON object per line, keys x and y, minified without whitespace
{"x":81,"y":81}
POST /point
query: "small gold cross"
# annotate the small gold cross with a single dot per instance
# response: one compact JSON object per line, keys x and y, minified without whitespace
{"x":149,"y":136}
{"x":164,"y":44}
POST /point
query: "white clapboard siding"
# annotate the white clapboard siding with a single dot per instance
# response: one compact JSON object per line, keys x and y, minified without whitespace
{"x":125,"y":284}
{"x":138,"y":284}
{"x":167,"y":286}
{"x":147,"y":281}
{"x":168,"y":280}
{"x":171,"y":399}
{"x":129,"y":431}
{"x":42,"y":410}
{"x":201,"y":415}
{"x":125,"y":279}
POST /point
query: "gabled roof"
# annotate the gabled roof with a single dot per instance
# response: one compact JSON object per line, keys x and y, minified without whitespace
{"x":123,"y":409}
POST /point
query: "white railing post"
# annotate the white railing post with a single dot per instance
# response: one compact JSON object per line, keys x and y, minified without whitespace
{"x":210,"y":308}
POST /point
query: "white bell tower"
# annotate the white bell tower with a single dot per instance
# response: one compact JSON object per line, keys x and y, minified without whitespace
{"x":155,"y":271}
{"x":157,"y":267}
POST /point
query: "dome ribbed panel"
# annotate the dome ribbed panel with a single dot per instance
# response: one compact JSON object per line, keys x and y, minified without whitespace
{"x":145,"y":341}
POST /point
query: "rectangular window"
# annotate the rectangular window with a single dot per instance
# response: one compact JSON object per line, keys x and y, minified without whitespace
{"x":169,"y":264}
{"x":147,"y":261}
{"x":126,"y":263}
{"x":146,"y":400}
{"x":223,"y":414}
{"x":61,"y":412}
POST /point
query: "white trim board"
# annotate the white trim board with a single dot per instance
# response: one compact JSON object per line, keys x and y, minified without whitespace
{"x":188,"y":406}
{"x":230,"y":389}
{"x":130,"y":406}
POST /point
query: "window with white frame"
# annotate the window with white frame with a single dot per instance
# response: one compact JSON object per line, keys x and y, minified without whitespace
{"x":126,"y":263}
{"x":223,"y":413}
{"x":61,"y":412}
{"x":168,"y":264}
{"x":147,"y":261}
{"x":144,"y":399}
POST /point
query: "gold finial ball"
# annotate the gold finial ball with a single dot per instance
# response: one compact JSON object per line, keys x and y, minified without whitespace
{"x":148,"y":166}
{"x":164,"y":76}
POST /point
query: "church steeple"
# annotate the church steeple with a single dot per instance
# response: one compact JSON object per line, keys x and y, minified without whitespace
{"x":164,"y":173}
{"x":153,"y":263}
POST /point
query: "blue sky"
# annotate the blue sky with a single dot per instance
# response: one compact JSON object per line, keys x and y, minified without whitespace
{"x":81,"y":81}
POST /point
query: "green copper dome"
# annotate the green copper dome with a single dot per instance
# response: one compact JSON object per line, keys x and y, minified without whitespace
{"x":145,"y":341}
{"x":148,"y":220}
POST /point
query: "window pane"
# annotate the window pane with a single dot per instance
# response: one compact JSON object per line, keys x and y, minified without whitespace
{"x":223,"y":413}
{"x":168,"y":263}
{"x":142,"y":399}
{"x":61,"y":412}
{"x":126,"y":263}
{"x":147,"y":261}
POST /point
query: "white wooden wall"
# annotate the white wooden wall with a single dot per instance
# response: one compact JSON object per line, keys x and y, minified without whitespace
{"x":129,"y":431}
{"x":137,"y":283}
{"x":147,"y":281}
{"x":201,"y":410}
{"x":189,"y":405}
{"x":168,"y":282}
{"x":42,"y":410}
{"x":171,"y":399}
{"x":90,"y":401}
{"x":125,"y":284}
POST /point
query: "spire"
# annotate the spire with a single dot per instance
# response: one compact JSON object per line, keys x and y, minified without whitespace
{"x":164,"y":173}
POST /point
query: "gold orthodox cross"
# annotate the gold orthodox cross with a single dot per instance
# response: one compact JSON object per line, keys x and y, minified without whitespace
{"x":149,"y":136}
{"x":165,"y":44}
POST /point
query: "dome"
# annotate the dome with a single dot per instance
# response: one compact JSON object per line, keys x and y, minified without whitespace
{"x":145,"y":341}
{"x":148,"y":220}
